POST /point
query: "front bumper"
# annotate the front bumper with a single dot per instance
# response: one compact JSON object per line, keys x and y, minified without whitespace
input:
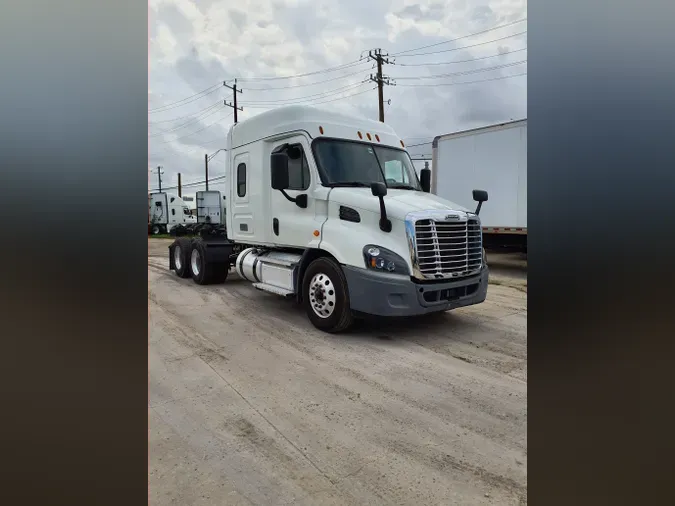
{"x":384,"y":294}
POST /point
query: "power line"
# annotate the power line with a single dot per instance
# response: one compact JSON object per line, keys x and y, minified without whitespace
{"x":312,"y":103}
{"x":307,"y":84}
{"x":188,"y":100}
{"x":186,"y":116}
{"x":460,"y":61}
{"x":462,"y":37}
{"x":465,"y":72}
{"x":464,"y":47}
{"x":329,"y":69}
{"x":200,"y":130}
{"x":198,"y":118}
{"x":329,"y":92}
{"x":464,"y":82}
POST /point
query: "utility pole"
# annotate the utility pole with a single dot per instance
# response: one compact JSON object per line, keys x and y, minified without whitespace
{"x":234,"y":92}
{"x":159,"y":177}
{"x":206,"y":170}
{"x":380,"y":79}
{"x":179,"y":187}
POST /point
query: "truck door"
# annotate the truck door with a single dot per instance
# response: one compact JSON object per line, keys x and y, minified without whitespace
{"x":289,"y":224}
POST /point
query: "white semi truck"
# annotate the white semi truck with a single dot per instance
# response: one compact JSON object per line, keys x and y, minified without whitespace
{"x":165,"y":211}
{"x":327,"y":209}
{"x":494,"y":158}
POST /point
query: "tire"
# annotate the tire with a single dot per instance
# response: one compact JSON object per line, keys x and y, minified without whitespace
{"x":155,"y":230}
{"x":202,"y":271}
{"x":181,"y":257}
{"x":325,"y":275}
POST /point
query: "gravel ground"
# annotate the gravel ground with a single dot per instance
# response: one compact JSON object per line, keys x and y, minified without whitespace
{"x":249,"y":404}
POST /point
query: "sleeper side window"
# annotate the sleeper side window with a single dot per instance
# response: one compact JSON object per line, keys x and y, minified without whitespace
{"x":241,"y":180}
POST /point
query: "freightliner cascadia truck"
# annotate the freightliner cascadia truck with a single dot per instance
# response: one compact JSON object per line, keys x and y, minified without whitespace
{"x":327,"y":209}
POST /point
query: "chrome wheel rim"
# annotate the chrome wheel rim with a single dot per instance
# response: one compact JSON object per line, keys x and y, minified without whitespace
{"x":194,"y":259}
{"x":322,"y":295}
{"x":177,"y":256}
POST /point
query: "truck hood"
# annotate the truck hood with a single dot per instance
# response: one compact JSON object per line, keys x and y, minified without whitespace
{"x":398,"y":202}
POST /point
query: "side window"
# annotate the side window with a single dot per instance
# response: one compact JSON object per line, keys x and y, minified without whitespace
{"x":241,"y":180}
{"x":298,"y":168}
{"x":394,"y":170}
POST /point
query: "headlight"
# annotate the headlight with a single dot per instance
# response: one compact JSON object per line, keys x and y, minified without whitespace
{"x":382,"y":259}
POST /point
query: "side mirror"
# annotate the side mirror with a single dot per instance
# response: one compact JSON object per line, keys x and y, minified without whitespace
{"x":425,"y":180}
{"x":378,"y":189}
{"x":279,"y":170}
{"x":480,"y":196}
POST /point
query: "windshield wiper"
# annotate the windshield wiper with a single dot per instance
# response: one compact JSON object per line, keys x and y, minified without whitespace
{"x":402,"y":187}
{"x":349,"y":184}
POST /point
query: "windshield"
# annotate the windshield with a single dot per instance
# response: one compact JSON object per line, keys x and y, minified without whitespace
{"x":347,"y":163}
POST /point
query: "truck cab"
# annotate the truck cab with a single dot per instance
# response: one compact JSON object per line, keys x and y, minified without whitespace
{"x":331,"y":212}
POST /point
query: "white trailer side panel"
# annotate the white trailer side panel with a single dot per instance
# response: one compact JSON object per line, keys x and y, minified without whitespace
{"x":492,"y":159}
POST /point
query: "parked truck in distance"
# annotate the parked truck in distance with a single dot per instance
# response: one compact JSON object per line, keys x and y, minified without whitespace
{"x":327,"y":209}
{"x":165,"y":211}
{"x":494,"y":158}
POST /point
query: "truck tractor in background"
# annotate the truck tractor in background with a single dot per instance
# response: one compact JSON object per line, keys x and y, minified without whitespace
{"x":327,"y":209}
{"x":166,"y":211}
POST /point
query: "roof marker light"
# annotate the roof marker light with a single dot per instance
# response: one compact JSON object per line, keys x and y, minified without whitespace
{"x":369,"y":137}
{"x":321,"y":130}
{"x":377,"y":137}
{"x":360,"y":136}
{"x":402,"y":145}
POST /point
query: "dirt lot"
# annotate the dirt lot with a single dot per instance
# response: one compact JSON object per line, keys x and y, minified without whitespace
{"x":249,"y":404}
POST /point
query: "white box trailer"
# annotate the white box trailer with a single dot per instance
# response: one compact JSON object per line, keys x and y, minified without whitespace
{"x":493,"y":158}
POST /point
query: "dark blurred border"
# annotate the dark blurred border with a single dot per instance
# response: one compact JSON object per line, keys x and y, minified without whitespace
{"x":601,"y":179}
{"x":73,"y":292}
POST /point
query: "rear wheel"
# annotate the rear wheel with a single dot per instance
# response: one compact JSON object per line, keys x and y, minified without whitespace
{"x":181,"y":257}
{"x":205,"y":272}
{"x":325,"y":296}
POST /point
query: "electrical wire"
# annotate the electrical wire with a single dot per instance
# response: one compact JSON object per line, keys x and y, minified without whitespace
{"x":329,"y":69}
{"x":188,"y":100}
{"x":464,"y":82}
{"x":312,"y":103}
{"x":217,"y":107}
{"x":462,"y":37}
{"x":306,"y":84}
{"x":460,"y":61}
{"x":200,"y":130}
{"x":329,"y":93}
{"x":465,"y":72}
{"x":465,"y":47}
{"x":186,"y":116}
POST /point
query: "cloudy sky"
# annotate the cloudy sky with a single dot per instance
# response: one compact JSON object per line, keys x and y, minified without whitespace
{"x":457,"y":64}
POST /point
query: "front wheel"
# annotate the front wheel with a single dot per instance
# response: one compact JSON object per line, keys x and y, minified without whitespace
{"x":326,"y":297}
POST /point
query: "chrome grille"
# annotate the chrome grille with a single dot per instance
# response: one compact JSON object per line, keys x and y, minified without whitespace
{"x":448,"y":249}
